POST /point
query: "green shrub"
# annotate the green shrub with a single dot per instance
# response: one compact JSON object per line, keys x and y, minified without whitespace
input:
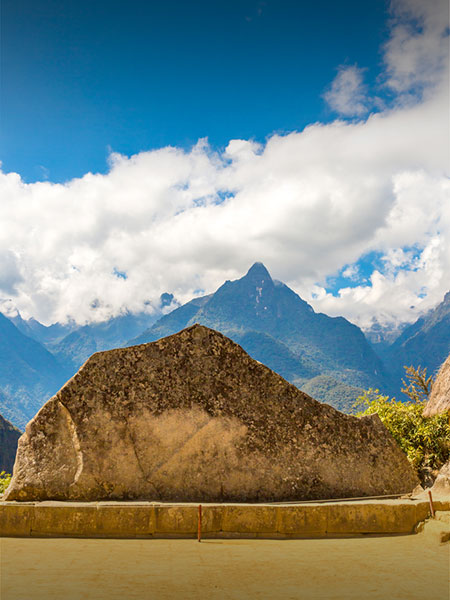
{"x":5,"y":480}
{"x":425,"y":440}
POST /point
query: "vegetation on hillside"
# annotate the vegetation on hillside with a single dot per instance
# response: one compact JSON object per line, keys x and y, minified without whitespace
{"x":332,"y":391}
{"x":5,"y":479}
{"x":425,"y":440}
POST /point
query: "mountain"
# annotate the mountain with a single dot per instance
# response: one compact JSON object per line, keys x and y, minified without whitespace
{"x":382,"y":336}
{"x":29,"y":374}
{"x":426,"y":342}
{"x":43,"y":334}
{"x":275,"y":326}
{"x":37,"y":359}
{"x":328,"y":358}
{"x":9,"y":436}
{"x":72,"y":344}
{"x":78,"y":345}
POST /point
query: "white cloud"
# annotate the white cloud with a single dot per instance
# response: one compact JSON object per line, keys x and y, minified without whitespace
{"x":351,"y":272}
{"x":416,"y":54}
{"x":307,"y":204}
{"x":348,"y":93}
{"x":9,"y":272}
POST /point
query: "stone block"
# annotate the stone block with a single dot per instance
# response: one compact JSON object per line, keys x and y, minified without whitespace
{"x":176,"y":520}
{"x":70,"y":520}
{"x":302,"y":521}
{"x":15,"y":519}
{"x":250,"y":519}
{"x":125,"y":521}
{"x":360,"y":518}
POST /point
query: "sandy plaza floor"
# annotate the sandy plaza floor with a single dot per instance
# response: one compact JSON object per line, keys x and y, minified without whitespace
{"x":396,"y":567}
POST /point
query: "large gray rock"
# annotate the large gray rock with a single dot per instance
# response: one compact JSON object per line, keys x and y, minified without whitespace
{"x":192,"y":417}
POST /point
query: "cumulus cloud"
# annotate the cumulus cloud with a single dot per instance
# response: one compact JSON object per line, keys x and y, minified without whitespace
{"x":308,"y":204}
{"x":416,"y":54}
{"x":9,"y":272}
{"x":348,"y":93}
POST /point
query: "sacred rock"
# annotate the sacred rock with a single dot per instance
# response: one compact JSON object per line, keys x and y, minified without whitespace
{"x":192,"y":417}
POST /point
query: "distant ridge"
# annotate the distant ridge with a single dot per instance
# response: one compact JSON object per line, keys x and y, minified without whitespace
{"x":329,"y":358}
{"x":29,"y":374}
{"x":426,"y":342}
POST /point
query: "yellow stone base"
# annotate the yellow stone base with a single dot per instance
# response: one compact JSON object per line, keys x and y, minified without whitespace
{"x":153,"y":520}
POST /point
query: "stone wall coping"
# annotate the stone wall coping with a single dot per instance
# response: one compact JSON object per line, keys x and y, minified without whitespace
{"x":151,"y":503}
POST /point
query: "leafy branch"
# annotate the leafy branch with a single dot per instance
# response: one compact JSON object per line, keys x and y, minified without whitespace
{"x":418,"y":385}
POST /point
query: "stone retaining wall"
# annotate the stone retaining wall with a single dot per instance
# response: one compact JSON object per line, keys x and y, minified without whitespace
{"x":150,"y":520}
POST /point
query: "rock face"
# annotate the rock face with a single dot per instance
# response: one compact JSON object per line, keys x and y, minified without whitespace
{"x":440,"y":394}
{"x":192,"y":417}
{"x":439,"y":402}
{"x":9,"y":436}
{"x":441,"y":487}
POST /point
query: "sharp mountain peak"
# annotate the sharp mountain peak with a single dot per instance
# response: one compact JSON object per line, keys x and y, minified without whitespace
{"x":258,"y":272}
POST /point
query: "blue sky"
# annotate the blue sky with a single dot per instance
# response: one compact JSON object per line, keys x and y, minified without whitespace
{"x":80,"y":78}
{"x":152,"y":147}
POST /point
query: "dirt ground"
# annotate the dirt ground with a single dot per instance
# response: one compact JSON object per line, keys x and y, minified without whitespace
{"x":386,"y":568}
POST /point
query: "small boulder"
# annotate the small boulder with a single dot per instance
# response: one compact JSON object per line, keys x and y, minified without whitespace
{"x":441,"y":486}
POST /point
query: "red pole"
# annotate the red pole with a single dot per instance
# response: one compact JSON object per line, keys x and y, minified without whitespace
{"x":430,"y":498}
{"x":199,"y":535}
